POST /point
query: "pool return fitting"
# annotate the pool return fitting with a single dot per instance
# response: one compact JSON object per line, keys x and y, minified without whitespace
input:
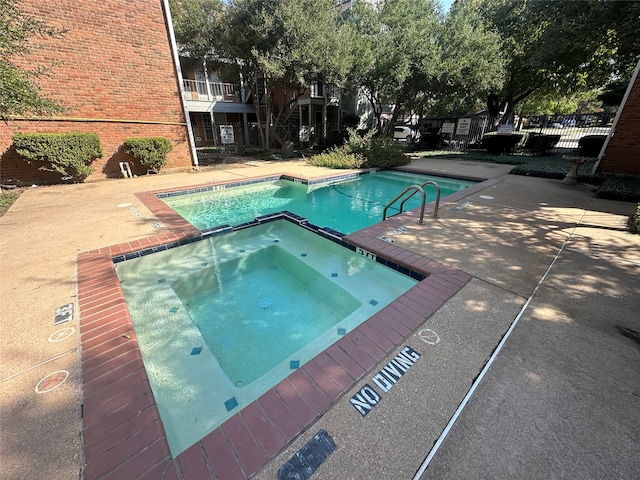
{"x":415,"y":189}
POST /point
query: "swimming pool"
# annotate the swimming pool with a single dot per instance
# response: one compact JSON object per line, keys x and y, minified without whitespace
{"x":221,"y":320}
{"x":347,"y":204}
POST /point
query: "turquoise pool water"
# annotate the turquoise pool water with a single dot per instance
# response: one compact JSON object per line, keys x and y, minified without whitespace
{"x":345,"y":206}
{"x":222,"y":320}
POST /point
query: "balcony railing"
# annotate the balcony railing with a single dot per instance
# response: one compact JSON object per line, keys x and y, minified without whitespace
{"x":211,"y":91}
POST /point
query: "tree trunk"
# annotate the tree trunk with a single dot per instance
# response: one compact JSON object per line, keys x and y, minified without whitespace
{"x":256,"y":106}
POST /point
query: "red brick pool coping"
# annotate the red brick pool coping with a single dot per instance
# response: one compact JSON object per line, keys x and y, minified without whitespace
{"x":122,"y":431}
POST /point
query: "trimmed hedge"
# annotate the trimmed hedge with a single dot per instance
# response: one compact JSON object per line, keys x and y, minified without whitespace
{"x":499,"y":144}
{"x":541,"y":144}
{"x":149,"y":151}
{"x":69,"y":154}
{"x":590,"y":145}
{"x":620,"y":188}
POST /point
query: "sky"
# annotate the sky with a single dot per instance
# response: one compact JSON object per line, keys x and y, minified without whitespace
{"x":446,"y":4}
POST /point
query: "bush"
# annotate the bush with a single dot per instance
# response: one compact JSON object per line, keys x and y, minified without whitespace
{"x":634,"y":221}
{"x":499,"y":144}
{"x":590,"y":145}
{"x":555,"y":167}
{"x":68,"y":153}
{"x":376,"y":151}
{"x":337,"y":158}
{"x":362,"y":151}
{"x":149,"y":151}
{"x":336,"y":138}
{"x":620,"y":188}
{"x":430,"y":141}
{"x":541,"y":144}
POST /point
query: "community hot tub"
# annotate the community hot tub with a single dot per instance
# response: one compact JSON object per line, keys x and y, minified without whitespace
{"x":222,"y":320}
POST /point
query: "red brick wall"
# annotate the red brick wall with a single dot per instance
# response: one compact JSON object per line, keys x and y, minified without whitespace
{"x":623,"y":152}
{"x":114,"y":72}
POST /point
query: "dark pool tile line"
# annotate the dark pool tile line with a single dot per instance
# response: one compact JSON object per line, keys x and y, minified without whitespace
{"x":453,"y":176}
{"x":179,"y":226}
{"x":129,"y":252}
{"x":222,"y":185}
{"x":219,"y":186}
{"x":324,"y":180}
{"x":176,"y":223}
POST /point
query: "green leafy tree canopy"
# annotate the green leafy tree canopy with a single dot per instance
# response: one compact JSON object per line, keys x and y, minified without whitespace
{"x":19,"y":92}
{"x":561,"y":47}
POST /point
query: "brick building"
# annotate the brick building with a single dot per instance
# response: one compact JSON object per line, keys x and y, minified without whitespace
{"x":622,"y":154}
{"x":114,"y":72}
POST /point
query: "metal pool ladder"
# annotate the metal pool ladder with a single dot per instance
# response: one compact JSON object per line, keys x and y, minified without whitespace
{"x":415,"y":189}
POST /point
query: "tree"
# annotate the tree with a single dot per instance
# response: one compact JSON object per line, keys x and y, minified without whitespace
{"x":580,"y":102}
{"x":559,"y":47}
{"x":397,"y":51}
{"x":196,"y":25}
{"x":472,"y":63}
{"x":19,"y":92}
{"x":281,"y":46}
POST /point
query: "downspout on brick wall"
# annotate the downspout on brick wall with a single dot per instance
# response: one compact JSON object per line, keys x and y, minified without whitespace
{"x":176,"y":63}
{"x":612,"y":130}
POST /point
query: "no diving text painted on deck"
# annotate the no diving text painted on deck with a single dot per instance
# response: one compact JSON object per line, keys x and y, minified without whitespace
{"x":367,"y":397}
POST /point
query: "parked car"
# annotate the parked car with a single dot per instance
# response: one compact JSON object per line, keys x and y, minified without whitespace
{"x":405,"y":134}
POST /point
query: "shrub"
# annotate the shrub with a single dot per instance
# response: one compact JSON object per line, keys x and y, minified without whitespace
{"x":337,"y":158}
{"x":541,"y":144}
{"x":149,"y":151}
{"x":68,"y":153}
{"x":554,"y":167}
{"x":499,"y":144}
{"x":634,"y":221}
{"x":430,"y":141}
{"x":590,"y":145}
{"x":620,"y":188}
{"x":336,"y":138}
{"x":377,"y":151}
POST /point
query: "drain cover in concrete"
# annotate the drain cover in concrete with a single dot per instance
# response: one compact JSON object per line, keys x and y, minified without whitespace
{"x":302,"y":465}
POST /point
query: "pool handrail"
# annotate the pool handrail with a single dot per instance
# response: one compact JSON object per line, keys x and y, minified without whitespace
{"x":414,"y":189}
{"x":437,"y":205}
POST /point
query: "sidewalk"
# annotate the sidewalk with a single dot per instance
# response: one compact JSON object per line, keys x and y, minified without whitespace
{"x":561,"y":400}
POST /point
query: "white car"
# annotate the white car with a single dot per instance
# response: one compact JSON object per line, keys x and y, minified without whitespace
{"x":405,"y":134}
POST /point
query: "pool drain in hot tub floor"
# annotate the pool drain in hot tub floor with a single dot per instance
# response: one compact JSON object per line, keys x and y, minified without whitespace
{"x":265,"y":303}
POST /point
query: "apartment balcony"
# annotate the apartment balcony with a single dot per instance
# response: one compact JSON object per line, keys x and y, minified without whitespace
{"x":210,"y":91}
{"x":220,"y":97}
{"x":319,"y":94}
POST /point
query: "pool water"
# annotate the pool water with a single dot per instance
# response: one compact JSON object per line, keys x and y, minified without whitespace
{"x":274,"y":281}
{"x":222,"y":320}
{"x":345,"y":206}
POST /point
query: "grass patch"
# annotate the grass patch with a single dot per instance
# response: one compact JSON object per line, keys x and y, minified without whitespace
{"x":7,"y":199}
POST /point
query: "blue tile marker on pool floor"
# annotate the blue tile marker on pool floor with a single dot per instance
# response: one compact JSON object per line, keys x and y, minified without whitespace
{"x":307,"y":460}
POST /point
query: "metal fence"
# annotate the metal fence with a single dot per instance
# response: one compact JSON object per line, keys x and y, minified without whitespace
{"x":540,"y":134}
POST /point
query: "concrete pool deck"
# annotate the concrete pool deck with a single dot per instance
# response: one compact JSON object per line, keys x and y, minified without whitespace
{"x":561,"y":399}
